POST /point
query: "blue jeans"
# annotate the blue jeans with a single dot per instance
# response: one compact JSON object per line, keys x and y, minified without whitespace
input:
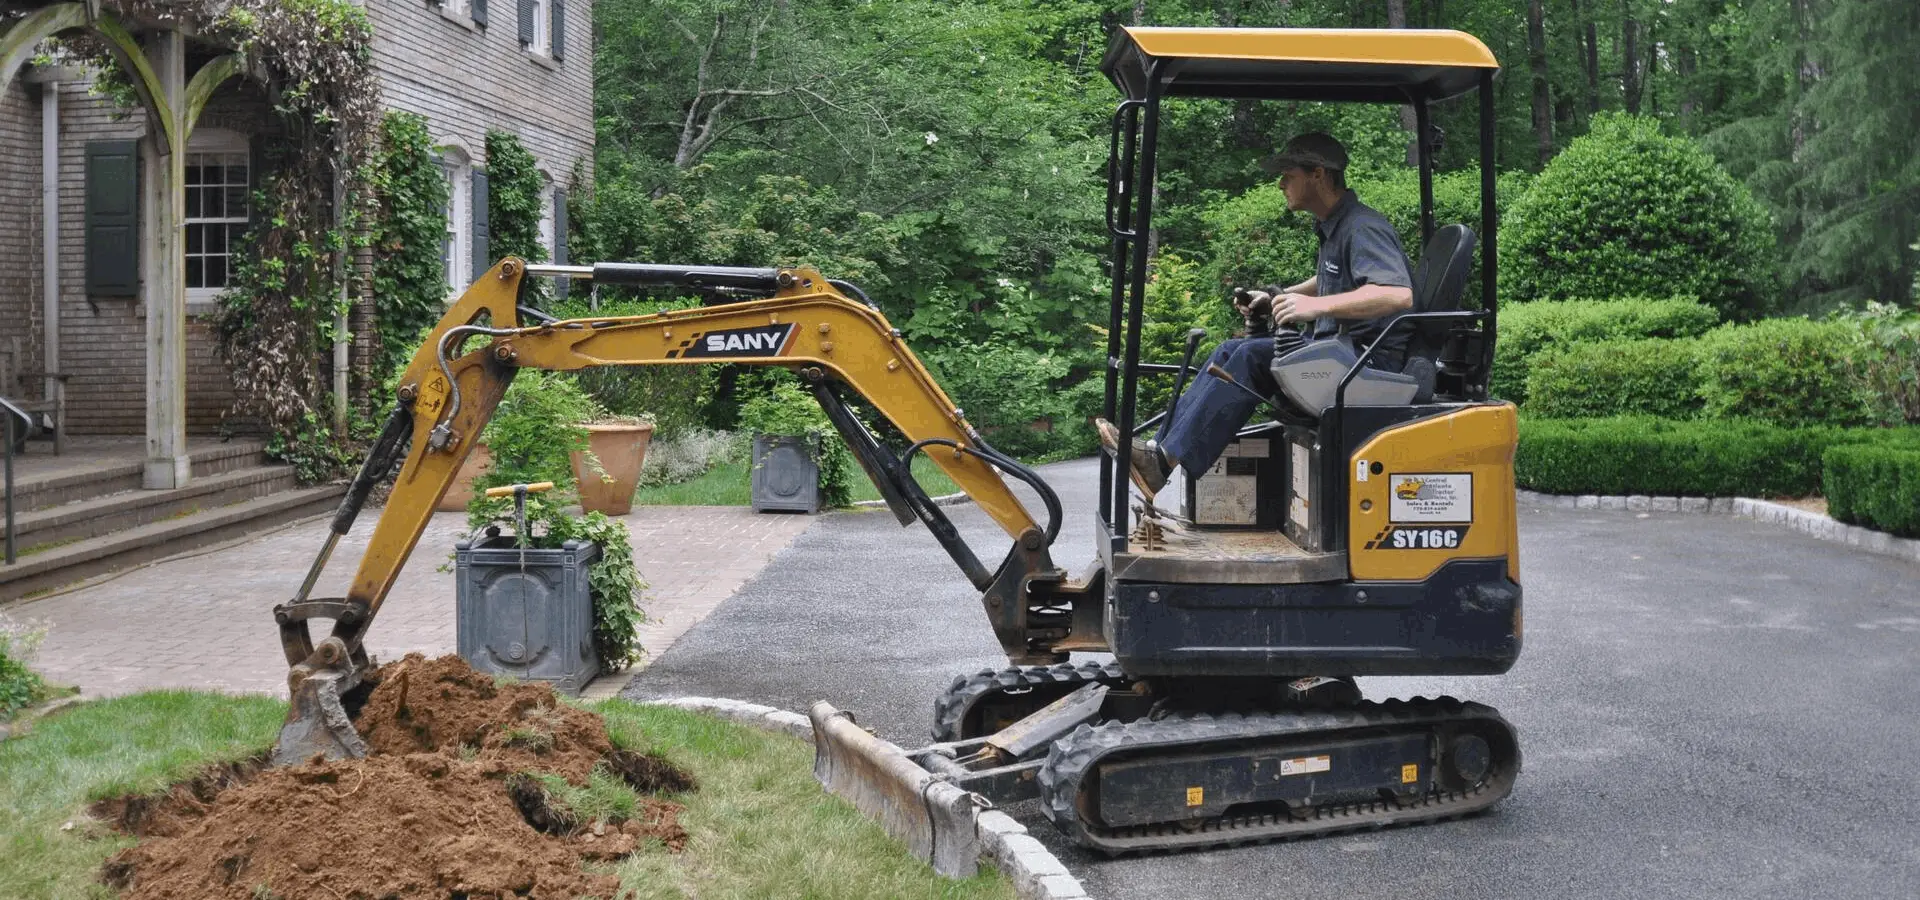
{"x":1211,"y":411}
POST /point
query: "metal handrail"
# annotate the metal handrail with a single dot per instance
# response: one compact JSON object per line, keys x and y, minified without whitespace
{"x":9,"y":413}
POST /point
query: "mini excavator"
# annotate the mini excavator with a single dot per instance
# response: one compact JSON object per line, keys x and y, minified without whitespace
{"x":1368,"y":529}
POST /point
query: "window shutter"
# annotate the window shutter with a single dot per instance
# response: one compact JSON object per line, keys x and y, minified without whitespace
{"x":256,"y":170}
{"x":526,"y":23}
{"x":113,"y":218}
{"x":482,"y":253}
{"x":479,"y":12}
{"x":560,"y":240}
{"x":559,"y":29}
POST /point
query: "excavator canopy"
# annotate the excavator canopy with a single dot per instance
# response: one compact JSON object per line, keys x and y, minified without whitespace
{"x":1363,"y":65}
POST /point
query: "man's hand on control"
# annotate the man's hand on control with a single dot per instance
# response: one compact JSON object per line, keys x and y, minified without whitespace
{"x":1290,"y":308}
{"x":1251,"y":304}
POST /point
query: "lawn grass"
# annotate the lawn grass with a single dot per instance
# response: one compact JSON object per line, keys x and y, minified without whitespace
{"x":759,"y":824}
{"x":728,"y":484}
{"x":91,"y":751}
{"x":759,"y":811}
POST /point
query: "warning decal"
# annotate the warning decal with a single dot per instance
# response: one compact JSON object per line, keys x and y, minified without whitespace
{"x":1196,"y":796}
{"x":1409,"y":773}
{"x":1430,"y":497}
{"x":1306,"y":765}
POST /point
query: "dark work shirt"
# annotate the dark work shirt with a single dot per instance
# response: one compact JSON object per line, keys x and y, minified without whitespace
{"x":1358,"y":246}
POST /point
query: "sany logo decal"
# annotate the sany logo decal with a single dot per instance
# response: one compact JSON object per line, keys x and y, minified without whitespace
{"x":764,"y":340}
{"x":1409,"y":489}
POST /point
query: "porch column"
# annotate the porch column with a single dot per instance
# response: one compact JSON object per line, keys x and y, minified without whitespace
{"x":164,"y":277}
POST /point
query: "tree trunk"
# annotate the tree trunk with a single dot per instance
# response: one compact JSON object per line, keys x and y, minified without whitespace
{"x":1589,"y":56}
{"x":1397,"y":18}
{"x":1629,"y":58}
{"x":1689,"y":91}
{"x":1803,"y":76}
{"x":1542,"y":88}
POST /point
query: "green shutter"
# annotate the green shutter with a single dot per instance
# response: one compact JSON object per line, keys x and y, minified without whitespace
{"x":482,"y":252}
{"x":559,"y":30}
{"x":526,"y":23}
{"x":113,"y":218}
{"x":480,"y":12}
{"x":560,"y":240}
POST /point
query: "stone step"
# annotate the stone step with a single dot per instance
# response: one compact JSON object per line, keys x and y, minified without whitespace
{"x":100,"y":481}
{"x":65,"y":565}
{"x":128,"y":509}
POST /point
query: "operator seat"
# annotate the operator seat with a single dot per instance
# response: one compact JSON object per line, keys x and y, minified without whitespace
{"x":1310,"y":375}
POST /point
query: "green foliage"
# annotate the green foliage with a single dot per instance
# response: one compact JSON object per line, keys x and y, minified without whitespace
{"x":20,"y":687}
{"x":1030,"y":404}
{"x":409,"y":280}
{"x":514,"y":198}
{"x":674,"y":396}
{"x":1874,"y":486}
{"x":535,"y":430}
{"x":1179,"y":299}
{"x":1789,"y":371}
{"x":1891,"y":363}
{"x":1529,"y":328}
{"x":1627,"y":210}
{"x":1650,"y":376}
{"x":786,"y":408}
{"x":312,"y":449}
{"x":613,"y":581}
{"x":1668,"y":458}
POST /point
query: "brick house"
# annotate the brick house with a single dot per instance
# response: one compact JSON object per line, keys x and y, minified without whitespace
{"x":78,"y":296}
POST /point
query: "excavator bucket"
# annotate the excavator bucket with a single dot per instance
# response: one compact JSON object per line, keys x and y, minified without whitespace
{"x":936,"y":820}
{"x":317,"y":720}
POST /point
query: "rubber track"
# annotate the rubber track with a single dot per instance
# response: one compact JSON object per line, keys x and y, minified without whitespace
{"x":1071,"y":758}
{"x":951,"y":707}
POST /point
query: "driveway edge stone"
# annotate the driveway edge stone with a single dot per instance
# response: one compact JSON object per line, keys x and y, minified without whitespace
{"x":1004,"y":843}
{"x":1810,"y":523}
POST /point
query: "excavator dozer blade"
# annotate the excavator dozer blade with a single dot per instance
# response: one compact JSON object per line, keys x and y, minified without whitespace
{"x":317,"y":721}
{"x":937,"y":821}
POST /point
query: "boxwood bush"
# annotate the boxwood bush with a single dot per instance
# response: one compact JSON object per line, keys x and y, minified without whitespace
{"x":1651,"y":376}
{"x":1790,"y":372}
{"x":1700,"y":458}
{"x":1875,"y":485}
{"x":1529,"y":328}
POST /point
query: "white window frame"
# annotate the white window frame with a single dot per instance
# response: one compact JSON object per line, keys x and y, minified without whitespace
{"x":542,"y":28}
{"x":208,"y":142}
{"x":546,"y":214}
{"x":459,"y":263}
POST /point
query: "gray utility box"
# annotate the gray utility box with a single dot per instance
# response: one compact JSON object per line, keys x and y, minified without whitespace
{"x":786,"y":473}
{"x":529,"y":618}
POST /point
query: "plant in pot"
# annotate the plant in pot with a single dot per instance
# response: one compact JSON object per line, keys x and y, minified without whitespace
{"x":799,"y":462}
{"x":608,"y":469}
{"x":543,"y":592}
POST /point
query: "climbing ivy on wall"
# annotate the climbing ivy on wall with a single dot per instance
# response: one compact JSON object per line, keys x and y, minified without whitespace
{"x":514,"y":186}
{"x":409,"y":276}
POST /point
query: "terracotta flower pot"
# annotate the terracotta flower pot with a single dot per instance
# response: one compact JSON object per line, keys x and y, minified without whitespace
{"x":461,"y":491}
{"x":620,"y":449}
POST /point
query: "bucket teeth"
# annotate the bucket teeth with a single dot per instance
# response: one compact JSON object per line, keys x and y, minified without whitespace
{"x":317,"y":722}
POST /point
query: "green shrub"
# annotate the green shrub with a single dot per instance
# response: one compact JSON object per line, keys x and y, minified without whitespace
{"x":1874,"y":485}
{"x":1030,"y":404}
{"x":1253,"y":239}
{"x":409,"y":280}
{"x":1892,"y":362}
{"x":1626,"y":210}
{"x":1528,"y":328}
{"x":789,"y":409}
{"x":1789,"y":372}
{"x":1650,"y":376}
{"x":535,"y":430}
{"x":20,"y":687}
{"x":1699,"y":458}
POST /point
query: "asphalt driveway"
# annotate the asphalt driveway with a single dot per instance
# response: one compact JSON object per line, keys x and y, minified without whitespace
{"x":1708,"y":707}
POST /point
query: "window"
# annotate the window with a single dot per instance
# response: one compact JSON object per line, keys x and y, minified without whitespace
{"x":454,"y":247}
{"x":546,"y":214}
{"x":217,"y":186}
{"x":540,"y":39}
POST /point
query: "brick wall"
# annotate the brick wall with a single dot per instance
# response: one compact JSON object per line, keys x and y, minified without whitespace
{"x":467,"y":80}
{"x":21,"y":322}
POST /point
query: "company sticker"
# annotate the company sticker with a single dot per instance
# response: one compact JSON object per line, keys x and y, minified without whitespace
{"x":1430,"y":497}
{"x":762,"y":340}
{"x":1196,"y":796}
{"x":1409,"y":773}
{"x":1415,"y":537}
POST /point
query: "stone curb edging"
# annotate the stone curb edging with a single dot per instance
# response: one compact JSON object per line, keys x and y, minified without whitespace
{"x":1037,"y":874}
{"x":1810,"y":523}
{"x":954,"y":499}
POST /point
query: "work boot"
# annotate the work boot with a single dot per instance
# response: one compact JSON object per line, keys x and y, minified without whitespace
{"x":1147,"y":465}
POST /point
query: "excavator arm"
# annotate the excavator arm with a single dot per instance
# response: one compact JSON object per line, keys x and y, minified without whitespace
{"x":793,"y":318}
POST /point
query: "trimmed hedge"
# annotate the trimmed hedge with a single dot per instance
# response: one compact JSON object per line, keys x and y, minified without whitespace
{"x":1877,"y":486}
{"x":1789,"y":372}
{"x":1705,"y":458}
{"x":1528,"y":328}
{"x":1651,"y":377}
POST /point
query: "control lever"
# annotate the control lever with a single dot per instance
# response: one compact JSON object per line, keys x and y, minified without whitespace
{"x":1222,"y":374}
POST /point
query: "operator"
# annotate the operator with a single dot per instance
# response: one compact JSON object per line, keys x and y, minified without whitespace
{"x":1360,"y":279}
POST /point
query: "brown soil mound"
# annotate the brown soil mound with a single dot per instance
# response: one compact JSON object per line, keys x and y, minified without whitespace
{"x":428,"y":816}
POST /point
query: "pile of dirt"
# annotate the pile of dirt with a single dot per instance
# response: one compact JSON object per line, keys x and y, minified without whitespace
{"x":443,"y":809}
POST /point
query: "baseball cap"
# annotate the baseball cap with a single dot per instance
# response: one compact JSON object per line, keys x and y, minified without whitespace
{"x":1313,"y":150}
